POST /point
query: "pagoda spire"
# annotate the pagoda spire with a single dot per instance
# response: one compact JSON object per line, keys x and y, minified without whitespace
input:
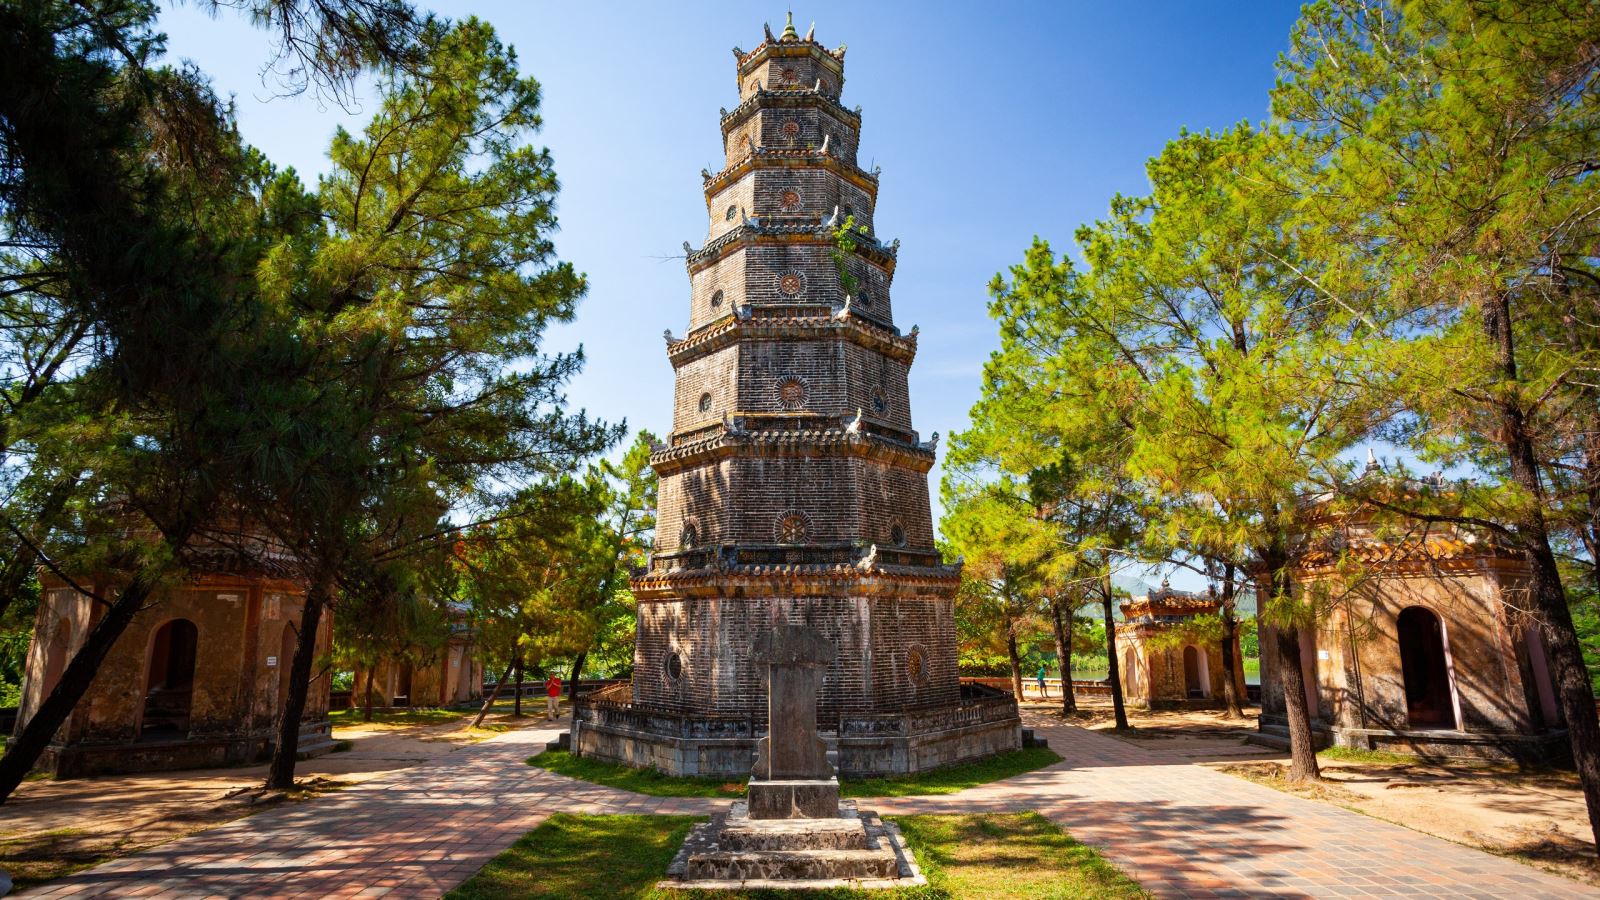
{"x":789,"y":34}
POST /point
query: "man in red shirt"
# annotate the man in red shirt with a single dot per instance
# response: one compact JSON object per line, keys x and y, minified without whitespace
{"x":552,"y":689}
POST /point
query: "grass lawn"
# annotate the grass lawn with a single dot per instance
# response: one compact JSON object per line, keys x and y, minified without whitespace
{"x":1011,"y":855}
{"x":939,"y":781}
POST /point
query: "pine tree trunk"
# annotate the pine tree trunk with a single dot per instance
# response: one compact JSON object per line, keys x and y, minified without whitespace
{"x":1112,"y":670}
{"x":24,"y":750}
{"x":1069,"y":703}
{"x":577,"y":670}
{"x":516,"y":705}
{"x":1573,"y":686}
{"x":367,"y":715}
{"x":280,"y":774}
{"x":1302,"y":753}
{"x":493,"y":696}
{"x":1016,"y":662}
{"x":1230,"y":641}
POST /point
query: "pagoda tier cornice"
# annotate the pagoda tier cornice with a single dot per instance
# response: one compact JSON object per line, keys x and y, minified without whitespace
{"x":754,"y":231}
{"x":797,"y":158}
{"x":720,"y":572}
{"x":787,"y":98}
{"x":817,"y":435}
{"x":812,"y":321}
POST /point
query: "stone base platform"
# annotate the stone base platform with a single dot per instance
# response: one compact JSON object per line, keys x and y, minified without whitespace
{"x":1545,"y":748}
{"x":853,"y":849}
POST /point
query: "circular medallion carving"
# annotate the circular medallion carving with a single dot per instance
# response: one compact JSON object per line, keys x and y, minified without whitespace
{"x":880,"y":405}
{"x":790,"y":76}
{"x":716,"y":300}
{"x":731,"y":213}
{"x":792,"y":528}
{"x":689,"y":537}
{"x":791,"y":128}
{"x":792,"y":393}
{"x":897,"y":535}
{"x":791,"y":199}
{"x":673,"y":666}
{"x":791,"y":283}
{"x":705,"y":403}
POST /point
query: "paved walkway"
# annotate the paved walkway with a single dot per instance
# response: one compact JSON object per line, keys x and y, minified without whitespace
{"x":1180,"y":829}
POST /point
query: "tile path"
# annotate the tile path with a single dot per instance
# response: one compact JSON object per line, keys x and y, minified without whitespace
{"x":1180,"y":829}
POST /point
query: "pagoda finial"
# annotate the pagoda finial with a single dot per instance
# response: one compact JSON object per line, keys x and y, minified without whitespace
{"x":811,"y":33}
{"x":789,"y":34}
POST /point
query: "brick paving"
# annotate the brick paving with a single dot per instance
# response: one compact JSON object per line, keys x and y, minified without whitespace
{"x":1180,"y":829}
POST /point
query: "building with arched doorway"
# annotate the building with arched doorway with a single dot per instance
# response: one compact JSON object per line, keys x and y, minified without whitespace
{"x":198,"y":678}
{"x":1420,"y":644}
{"x":1161,"y":664}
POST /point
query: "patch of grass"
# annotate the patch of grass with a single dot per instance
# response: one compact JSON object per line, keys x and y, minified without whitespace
{"x":939,"y":781}
{"x":642,"y":781}
{"x":343,"y":746}
{"x":1351,"y":754}
{"x":1013,"y":855}
{"x":352,"y":718}
{"x":955,"y":778}
{"x":37,"y":858}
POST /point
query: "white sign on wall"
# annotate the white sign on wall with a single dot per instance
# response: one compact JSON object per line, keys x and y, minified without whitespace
{"x":1322,"y":654}
{"x":272,"y":661}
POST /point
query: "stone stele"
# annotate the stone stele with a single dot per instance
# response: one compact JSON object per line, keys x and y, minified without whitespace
{"x":792,"y":777}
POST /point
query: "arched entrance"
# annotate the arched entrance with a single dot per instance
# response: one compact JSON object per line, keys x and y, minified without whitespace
{"x":1196,"y":677}
{"x":169,"y":680}
{"x":1429,"y":702}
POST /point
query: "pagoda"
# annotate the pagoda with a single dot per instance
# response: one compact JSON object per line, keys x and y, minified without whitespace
{"x":793,"y":487}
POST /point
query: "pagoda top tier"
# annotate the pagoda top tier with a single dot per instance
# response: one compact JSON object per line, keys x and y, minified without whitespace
{"x":790,"y":61}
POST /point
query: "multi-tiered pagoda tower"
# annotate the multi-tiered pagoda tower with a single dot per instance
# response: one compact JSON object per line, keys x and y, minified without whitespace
{"x":793,"y":487}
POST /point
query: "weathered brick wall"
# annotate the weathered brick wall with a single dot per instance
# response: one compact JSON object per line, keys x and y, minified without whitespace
{"x":762,"y":193}
{"x":874,"y":637}
{"x":704,"y":496}
{"x":716,"y":374}
{"x":790,"y":124}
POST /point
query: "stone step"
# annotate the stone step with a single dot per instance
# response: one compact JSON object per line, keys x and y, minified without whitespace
{"x":791,"y":865}
{"x":1029,"y":739}
{"x":795,"y":834}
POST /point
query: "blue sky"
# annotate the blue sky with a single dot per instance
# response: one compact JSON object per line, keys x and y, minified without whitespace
{"x":992,"y":123}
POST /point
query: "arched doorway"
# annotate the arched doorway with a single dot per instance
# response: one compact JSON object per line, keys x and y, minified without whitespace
{"x":169,"y":680}
{"x":1196,"y":674}
{"x":1429,"y":702}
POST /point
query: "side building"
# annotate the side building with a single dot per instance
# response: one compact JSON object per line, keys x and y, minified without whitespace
{"x":794,"y":488}
{"x":1159,"y":670}
{"x":1421,"y":646}
{"x":198,"y":679}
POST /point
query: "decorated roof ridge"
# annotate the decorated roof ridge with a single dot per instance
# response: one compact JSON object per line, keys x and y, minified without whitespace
{"x":728,"y":117}
{"x":1379,"y":550}
{"x":817,"y":155}
{"x":754,"y":227}
{"x":789,"y":38}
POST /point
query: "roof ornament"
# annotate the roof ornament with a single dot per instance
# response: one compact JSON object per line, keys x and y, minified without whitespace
{"x":933,"y":442}
{"x":894,"y":247}
{"x":667,"y":334}
{"x":688,"y":249}
{"x":811,"y":33}
{"x":825,"y":139}
{"x":723,"y":111}
{"x":705,"y":174}
{"x":840,"y":52}
{"x":789,"y":34}
{"x":855,"y":425}
{"x":1372,"y":461}
{"x":732,"y":425}
{"x":843,"y":311}
{"x":870,"y":561}
{"x":818,"y":86}
{"x":768,"y":29}
{"x":737,"y":53}
{"x":833,"y":220}
{"x":742,"y":312}
{"x":915,"y":329}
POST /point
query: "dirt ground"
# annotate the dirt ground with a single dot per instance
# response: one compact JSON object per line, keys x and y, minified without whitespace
{"x":1536,"y":815}
{"x":52,"y":828}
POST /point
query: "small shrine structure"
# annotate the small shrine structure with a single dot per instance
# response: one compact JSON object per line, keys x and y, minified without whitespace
{"x":1161,"y":666}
